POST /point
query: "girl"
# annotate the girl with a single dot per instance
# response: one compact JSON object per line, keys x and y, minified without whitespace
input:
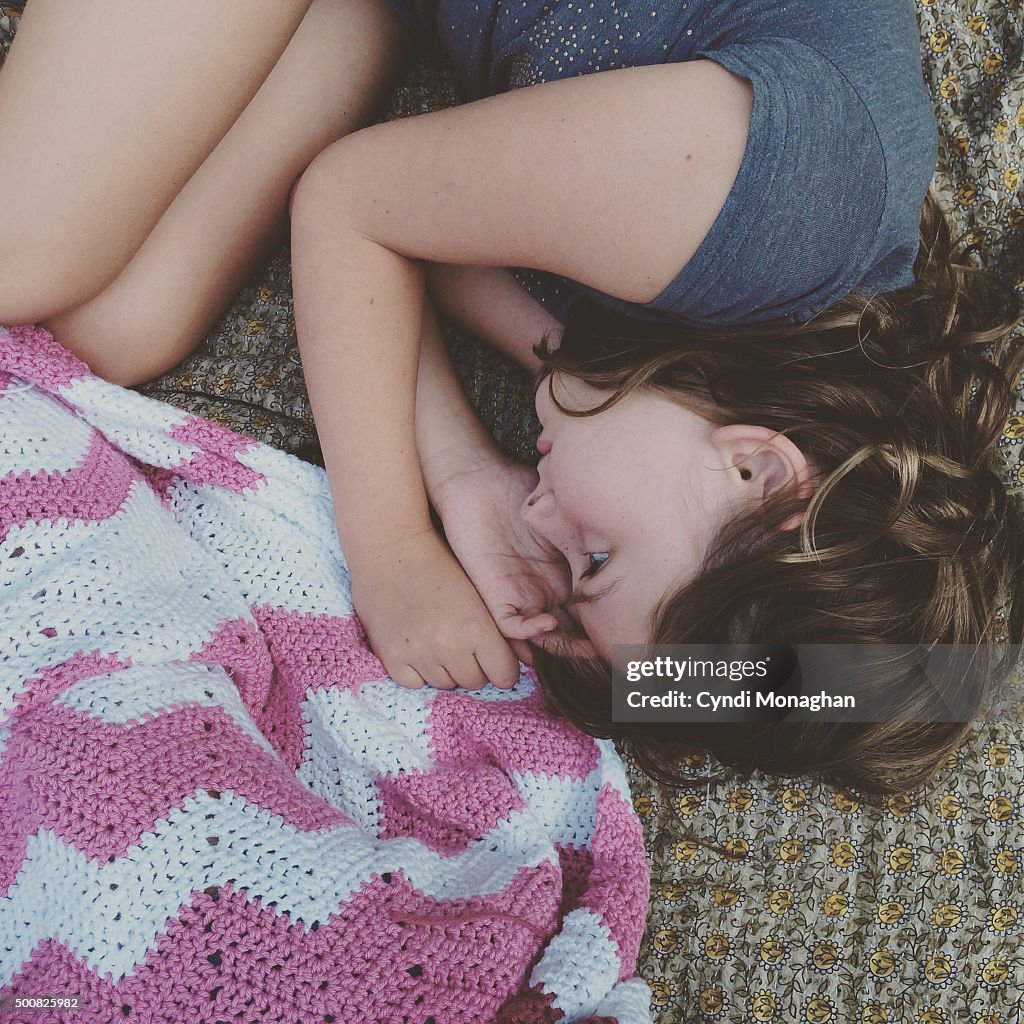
{"x":734,"y":201}
{"x":825,"y":483}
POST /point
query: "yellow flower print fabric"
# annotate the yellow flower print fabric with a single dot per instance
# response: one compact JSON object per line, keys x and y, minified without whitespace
{"x":792,"y":900}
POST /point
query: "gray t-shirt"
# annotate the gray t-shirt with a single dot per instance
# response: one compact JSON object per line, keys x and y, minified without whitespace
{"x":841,"y":148}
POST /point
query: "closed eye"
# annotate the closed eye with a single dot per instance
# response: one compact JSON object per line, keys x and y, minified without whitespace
{"x":579,"y":598}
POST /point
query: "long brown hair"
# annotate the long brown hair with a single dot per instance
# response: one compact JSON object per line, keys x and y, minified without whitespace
{"x":910,"y":536}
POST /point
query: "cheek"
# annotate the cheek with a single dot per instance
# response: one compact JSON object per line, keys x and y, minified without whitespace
{"x":542,"y":401}
{"x":544,"y":522}
{"x":602,"y":627}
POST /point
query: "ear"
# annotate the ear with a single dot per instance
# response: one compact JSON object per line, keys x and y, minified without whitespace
{"x":761,"y":461}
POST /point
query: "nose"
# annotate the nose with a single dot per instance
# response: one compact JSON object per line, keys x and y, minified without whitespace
{"x":538,"y":513}
{"x":535,"y":502}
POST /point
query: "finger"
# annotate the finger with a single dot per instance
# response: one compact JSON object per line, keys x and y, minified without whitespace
{"x":438,"y":677}
{"x":522,"y":650}
{"x":469,"y":674}
{"x":538,"y":624}
{"x":500,"y":665}
{"x":405,"y":675}
{"x":522,"y":627}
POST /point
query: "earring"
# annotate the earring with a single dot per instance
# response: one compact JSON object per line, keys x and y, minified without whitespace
{"x":745,"y":473}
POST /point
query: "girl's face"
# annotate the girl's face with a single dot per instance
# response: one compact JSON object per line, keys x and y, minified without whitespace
{"x":630,"y":498}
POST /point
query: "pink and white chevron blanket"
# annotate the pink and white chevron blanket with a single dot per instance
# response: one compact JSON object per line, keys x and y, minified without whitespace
{"x":214,"y":804}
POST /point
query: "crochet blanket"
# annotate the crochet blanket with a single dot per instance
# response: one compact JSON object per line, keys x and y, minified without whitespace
{"x":215,"y":805}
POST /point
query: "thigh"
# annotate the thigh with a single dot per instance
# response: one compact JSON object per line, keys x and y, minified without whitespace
{"x":328,"y":82}
{"x":112,"y":106}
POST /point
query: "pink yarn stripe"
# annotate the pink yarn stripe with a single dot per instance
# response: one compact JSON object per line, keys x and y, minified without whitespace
{"x":575,"y":863}
{"x":534,"y":1006}
{"x":463,"y":730}
{"x":15,"y":798}
{"x":91,"y":492}
{"x":612,"y":894}
{"x":31,"y":352}
{"x":309,"y":652}
{"x":448,"y":808}
{"x":54,"y":679}
{"x":216,"y":462}
{"x":239,"y":648}
{"x":101,"y":785}
{"x":227,"y":953}
{"x":319,"y":650}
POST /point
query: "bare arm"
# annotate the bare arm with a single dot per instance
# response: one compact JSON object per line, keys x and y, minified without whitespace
{"x":490,"y":302}
{"x":450,"y":438}
{"x":512,"y":180}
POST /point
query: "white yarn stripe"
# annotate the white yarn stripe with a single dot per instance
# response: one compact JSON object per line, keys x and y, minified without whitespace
{"x":567,"y":808}
{"x":296,"y":490}
{"x":340,"y":781}
{"x":133,"y":693}
{"x":55,"y":446}
{"x":628,"y":1003}
{"x":383,"y":727}
{"x":256,"y":849}
{"x":520,"y":831}
{"x":137,"y":424}
{"x":495,"y":695}
{"x":579,"y":980}
{"x":332,"y":770}
{"x":612,"y":771}
{"x":134,"y":572}
{"x":291,"y":570}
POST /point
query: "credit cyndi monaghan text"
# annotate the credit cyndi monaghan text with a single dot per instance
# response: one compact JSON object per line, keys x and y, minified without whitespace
{"x":743,"y":699}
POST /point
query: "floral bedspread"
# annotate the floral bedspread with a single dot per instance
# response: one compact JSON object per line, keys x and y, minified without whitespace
{"x":829,"y":907}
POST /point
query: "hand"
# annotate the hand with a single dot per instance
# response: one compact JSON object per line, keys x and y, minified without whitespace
{"x":523,"y":582}
{"x":426,"y":622}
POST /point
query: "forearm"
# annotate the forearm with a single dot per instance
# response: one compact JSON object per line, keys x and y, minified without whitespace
{"x":491,"y":304}
{"x":358,"y":315}
{"x":450,"y":437}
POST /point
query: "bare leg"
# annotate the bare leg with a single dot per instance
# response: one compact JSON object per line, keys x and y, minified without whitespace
{"x":326,"y":84}
{"x":108,"y":111}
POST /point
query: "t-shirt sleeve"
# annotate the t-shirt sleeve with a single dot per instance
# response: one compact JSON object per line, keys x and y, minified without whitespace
{"x":812,"y":215}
